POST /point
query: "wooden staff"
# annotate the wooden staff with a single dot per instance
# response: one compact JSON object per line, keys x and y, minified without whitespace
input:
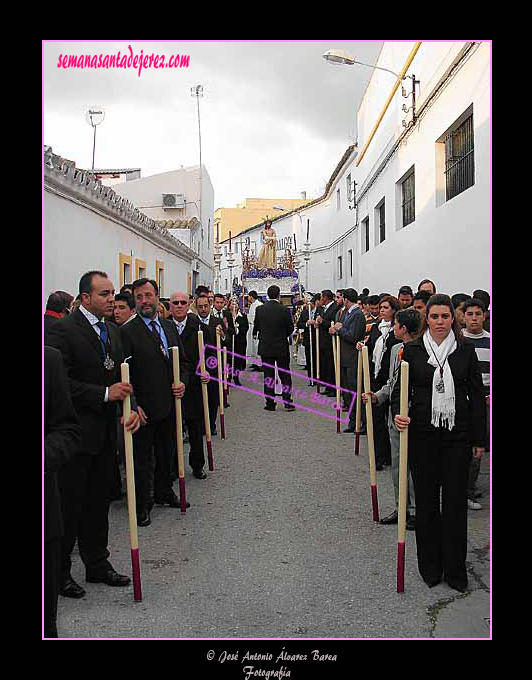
{"x":317,"y":358}
{"x":179,"y":431}
{"x":337,"y":339}
{"x":311,"y":357}
{"x":131,"y":502}
{"x":205,"y":395}
{"x":226,"y":388}
{"x":220,"y":384}
{"x":233,"y":359}
{"x":403,"y":482}
{"x":371,"y":442}
{"x":359,"y":404}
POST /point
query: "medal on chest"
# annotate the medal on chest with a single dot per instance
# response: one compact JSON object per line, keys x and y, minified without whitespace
{"x":440,"y":385}
{"x":109,"y":363}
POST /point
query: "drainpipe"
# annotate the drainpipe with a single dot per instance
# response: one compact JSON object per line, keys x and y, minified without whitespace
{"x":397,"y":83}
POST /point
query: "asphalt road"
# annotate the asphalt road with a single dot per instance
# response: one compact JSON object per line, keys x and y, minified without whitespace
{"x":279,"y":542}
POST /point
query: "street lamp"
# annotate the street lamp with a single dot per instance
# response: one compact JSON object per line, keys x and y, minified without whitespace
{"x":94,"y":117}
{"x":339,"y":57}
{"x":197,"y":91}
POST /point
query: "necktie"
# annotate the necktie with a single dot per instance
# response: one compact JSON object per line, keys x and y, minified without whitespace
{"x":103,"y":336}
{"x":158,"y":336}
{"x":180,"y":327}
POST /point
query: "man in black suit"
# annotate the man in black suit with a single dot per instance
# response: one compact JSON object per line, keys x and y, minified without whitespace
{"x":274,"y":326}
{"x":188,"y":326}
{"x":147,"y":339}
{"x":57,"y":307}
{"x":211,"y":325}
{"x":351,"y":330}
{"x":62,"y":439}
{"x":92,"y":353}
{"x":326,"y":317}
{"x":303,"y":323}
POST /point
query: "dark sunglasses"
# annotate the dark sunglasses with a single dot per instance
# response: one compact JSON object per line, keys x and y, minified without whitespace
{"x":178,"y":302}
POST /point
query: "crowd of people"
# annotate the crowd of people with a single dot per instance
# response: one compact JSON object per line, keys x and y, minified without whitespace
{"x":444,"y":339}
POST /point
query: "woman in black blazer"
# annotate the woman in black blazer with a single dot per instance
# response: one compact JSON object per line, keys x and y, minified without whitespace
{"x":382,"y":339}
{"x":446,"y":426}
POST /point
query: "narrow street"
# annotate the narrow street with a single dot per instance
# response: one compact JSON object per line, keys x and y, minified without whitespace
{"x":279,"y":542}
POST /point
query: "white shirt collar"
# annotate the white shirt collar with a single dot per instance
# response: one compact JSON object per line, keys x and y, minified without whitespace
{"x":93,"y":320}
{"x":327,"y":306}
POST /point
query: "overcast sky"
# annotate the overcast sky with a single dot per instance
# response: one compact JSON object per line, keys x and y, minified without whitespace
{"x":275,"y":117}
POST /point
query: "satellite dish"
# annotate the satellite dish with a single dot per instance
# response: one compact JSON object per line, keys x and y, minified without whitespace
{"x":95,"y":115}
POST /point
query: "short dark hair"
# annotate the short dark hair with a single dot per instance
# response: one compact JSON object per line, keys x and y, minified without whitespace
{"x":406,"y":290}
{"x":350,"y":294}
{"x":427,"y":281}
{"x":201,"y":289}
{"x":422,"y":295}
{"x":482,"y":295}
{"x":409,"y":318}
{"x":219,"y":295}
{"x":458,"y":298}
{"x":253,"y":294}
{"x":341,"y":291}
{"x":125,"y":297}
{"x":383,"y":295}
{"x":142,"y":282}
{"x":327,"y":293}
{"x":202,"y":295}
{"x":127,"y":287}
{"x":474,"y":302}
{"x":273,"y":292}
{"x":365,"y":291}
{"x":373,"y":300}
{"x":59,"y":301}
{"x":85,"y":283}
{"x":445,"y":301}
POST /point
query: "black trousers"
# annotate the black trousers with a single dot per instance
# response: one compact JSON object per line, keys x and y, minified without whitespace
{"x":441,"y":532}
{"x":348,"y":380}
{"x":383,"y":449}
{"x":154,"y":445}
{"x":196,"y":456}
{"x":52,"y":557}
{"x":85,"y":485}
{"x":327,"y":366}
{"x":269,"y":378}
{"x":307,"y":358}
{"x":214,"y":401}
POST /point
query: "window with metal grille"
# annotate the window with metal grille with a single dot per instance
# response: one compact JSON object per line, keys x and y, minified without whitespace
{"x":339,"y":267}
{"x":338,"y":199}
{"x":382,"y":222}
{"x":350,"y":253}
{"x":459,"y":159}
{"x":365,"y":227}
{"x":408,"y":204}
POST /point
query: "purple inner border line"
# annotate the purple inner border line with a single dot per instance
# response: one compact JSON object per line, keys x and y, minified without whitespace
{"x":278,"y":398}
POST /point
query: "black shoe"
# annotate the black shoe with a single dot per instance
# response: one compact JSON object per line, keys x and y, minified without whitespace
{"x":363,"y":430}
{"x":110,"y":577}
{"x":380,"y":467}
{"x":237,"y":382}
{"x":460,"y":587}
{"x":289,"y":407}
{"x":172,"y":500}
{"x":199,"y":474}
{"x":391,"y":519}
{"x":410,"y":522}
{"x":433,"y":582}
{"x":69,"y":588}
{"x":269,"y":408}
{"x":329,"y":393}
{"x":143,"y":518}
{"x":349,"y":429}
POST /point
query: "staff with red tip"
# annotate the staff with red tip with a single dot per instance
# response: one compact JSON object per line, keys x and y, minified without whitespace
{"x":358,"y":406}
{"x":403,"y":482}
{"x":371,"y":441}
{"x":220,"y":380}
{"x":130,"y":486}
{"x":179,"y":431}
{"x":205,"y":403}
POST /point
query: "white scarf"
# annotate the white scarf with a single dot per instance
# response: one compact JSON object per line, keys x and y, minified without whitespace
{"x":380,"y":346}
{"x":443,"y":406}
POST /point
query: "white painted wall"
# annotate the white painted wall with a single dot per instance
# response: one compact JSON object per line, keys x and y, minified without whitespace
{"x":76,"y":239}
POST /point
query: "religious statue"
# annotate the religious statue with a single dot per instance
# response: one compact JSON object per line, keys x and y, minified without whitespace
{"x":267,"y":255}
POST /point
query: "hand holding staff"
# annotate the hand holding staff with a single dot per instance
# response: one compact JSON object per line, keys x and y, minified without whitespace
{"x":179,"y":429}
{"x":371,"y":442}
{"x":130,"y":481}
{"x":220,"y":384}
{"x":403,"y":481}
{"x":317,"y":358}
{"x":359,"y":404}
{"x":205,"y":403}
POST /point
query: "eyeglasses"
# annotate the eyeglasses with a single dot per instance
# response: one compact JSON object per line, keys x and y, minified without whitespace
{"x":178,"y":302}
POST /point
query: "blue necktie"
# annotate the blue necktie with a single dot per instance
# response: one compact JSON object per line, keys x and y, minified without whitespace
{"x":103,"y":336}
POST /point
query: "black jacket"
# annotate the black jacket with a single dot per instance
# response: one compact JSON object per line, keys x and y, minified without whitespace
{"x":382,"y":378}
{"x":352,"y":331}
{"x":328,"y":318}
{"x":82,"y":354}
{"x":274,"y":326}
{"x":470,"y":402}
{"x":150,"y":371}
{"x":62,"y":437}
{"x":192,"y":402}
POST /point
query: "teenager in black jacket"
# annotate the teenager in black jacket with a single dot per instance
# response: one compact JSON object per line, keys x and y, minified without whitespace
{"x":446,"y":426}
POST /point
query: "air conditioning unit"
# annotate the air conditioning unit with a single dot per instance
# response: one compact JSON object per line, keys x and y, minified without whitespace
{"x":173,"y":200}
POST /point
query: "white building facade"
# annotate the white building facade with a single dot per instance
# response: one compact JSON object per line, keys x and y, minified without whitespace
{"x":88,"y":225}
{"x":421,"y":205}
